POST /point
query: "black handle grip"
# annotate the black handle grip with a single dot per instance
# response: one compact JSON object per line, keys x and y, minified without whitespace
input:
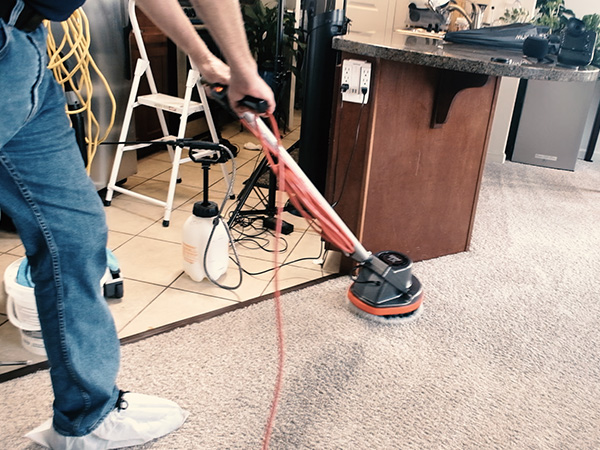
{"x":219,"y":92}
{"x":255,"y":104}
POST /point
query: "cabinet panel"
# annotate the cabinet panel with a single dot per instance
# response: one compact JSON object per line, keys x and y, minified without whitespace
{"x":369,"y":18}
{"x":411,"y":188}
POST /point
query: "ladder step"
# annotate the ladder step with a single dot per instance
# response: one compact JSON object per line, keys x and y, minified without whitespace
{"x":169,"y":103}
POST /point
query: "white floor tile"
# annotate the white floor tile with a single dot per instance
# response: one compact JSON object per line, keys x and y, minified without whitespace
{"x":251,"y":286}
{"x":172,"y":233}
{"x":116,"y":239}
{"x":171,"y":306}
{"x":152,"y":167}
{"x":131,"y":216}
{"x":137,"y":296}
{"x":290,"y":276}
{"x":306,"y":252}
{"x":158,"y":189}
{"x":11,"y":348}
{"x":150,"y":260}
{"x":191,"y":175}
{"x":8,"y":241}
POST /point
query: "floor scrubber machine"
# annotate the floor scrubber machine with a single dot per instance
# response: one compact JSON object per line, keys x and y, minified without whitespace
{"x":383,"y":284}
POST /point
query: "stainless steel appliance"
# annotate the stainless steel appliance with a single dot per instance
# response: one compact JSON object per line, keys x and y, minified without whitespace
{"x":549,"y":123}
{"x":109,"y":36}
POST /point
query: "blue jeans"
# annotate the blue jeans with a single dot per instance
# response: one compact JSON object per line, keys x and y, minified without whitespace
{"x":60,"y":219}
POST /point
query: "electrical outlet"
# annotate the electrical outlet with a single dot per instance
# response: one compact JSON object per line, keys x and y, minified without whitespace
{"x":346,"y":75}
{"x":365,"y":80}
{"x":356,"y":75}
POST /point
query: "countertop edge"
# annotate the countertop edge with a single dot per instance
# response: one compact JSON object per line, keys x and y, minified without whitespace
{"x":533,"y":72}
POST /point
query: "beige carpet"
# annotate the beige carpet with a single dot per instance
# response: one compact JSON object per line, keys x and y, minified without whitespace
{"x":506,"y":354}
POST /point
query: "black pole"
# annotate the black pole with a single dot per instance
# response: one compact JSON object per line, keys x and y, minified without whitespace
{"x":205,"y":180}
{"x":317,"y":101}
{"x":593,"y":137}
{"x":279,"y":42}
{"x":270,"y":209}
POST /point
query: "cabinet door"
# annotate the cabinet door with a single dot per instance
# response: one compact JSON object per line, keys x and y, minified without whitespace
{"x":371,"y":19}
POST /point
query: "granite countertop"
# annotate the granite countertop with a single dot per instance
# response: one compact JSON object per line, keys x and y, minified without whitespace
{"x":435,"y":52}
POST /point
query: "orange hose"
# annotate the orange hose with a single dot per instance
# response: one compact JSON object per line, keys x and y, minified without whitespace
{"x":279,"y":320}
{"x":318,"y":218}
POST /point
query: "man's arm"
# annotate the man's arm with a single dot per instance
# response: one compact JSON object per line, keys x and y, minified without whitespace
{"x":223,"y":19}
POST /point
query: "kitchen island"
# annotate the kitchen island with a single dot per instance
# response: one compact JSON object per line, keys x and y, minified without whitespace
{"x":409,"y":179}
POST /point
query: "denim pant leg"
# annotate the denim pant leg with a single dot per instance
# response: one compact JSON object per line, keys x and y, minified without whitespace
{"x":61,"y":221}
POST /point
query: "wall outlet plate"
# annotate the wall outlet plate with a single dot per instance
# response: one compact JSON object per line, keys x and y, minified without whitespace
{"x":356,"y":80}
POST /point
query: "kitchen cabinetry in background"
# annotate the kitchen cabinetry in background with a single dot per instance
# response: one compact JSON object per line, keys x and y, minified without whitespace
{"x":416,"y":165}
{"x":581,"y":8}
{"x":147,"y":126}
{"x":590,"y":142}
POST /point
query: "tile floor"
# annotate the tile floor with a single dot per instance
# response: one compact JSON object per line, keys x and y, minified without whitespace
{"x":157,"y":291}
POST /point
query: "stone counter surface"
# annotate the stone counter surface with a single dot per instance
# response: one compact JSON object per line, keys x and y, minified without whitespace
{"x":437,"y":53}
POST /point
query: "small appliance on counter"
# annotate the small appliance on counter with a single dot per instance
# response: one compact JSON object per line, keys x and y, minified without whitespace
{"x":421,"y":16}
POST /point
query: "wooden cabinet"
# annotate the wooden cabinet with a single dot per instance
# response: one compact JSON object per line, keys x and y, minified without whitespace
{"x":412,"y":184}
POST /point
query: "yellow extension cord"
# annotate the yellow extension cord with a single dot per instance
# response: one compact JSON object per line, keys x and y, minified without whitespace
{"x":75,"y":46}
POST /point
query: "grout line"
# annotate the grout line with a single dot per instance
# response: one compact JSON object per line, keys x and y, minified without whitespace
{"x":203,"y":294}
{"x":131,"y":236}
{"x":205,"y":316}
{"x":146,"y":282}
{"x":144,"y":308}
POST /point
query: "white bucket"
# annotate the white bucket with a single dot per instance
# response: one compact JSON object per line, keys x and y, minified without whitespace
{"x":22,"y":310}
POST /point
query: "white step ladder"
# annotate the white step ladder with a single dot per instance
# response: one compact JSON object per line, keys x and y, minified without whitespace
{"x":161,"y":103}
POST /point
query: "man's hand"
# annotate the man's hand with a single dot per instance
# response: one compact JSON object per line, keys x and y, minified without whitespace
{"x":249,"y":84}
{"x":213,"y":70}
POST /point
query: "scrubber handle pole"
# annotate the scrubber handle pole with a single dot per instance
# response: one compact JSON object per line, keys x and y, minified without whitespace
{"x":360,"y":254}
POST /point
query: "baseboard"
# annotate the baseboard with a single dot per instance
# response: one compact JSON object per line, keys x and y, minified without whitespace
{"x":495,"y":157}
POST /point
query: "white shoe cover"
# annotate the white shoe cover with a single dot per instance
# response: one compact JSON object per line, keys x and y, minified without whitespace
{"x":145,"y":418}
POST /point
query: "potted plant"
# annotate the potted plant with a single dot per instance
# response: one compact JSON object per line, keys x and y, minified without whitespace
{"x":515,"y":15}
{"x":261,"y":23}
{"x":262,"y":33}
{"x":553,"y":14}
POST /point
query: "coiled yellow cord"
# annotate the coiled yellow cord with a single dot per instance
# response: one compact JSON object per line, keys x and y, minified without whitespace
{"x":75,"y":46}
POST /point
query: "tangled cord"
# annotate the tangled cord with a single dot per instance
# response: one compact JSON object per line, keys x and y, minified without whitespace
{"x":75,"y":46}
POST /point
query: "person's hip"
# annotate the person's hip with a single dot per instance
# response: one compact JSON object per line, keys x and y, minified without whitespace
{"x":24,"y":17}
